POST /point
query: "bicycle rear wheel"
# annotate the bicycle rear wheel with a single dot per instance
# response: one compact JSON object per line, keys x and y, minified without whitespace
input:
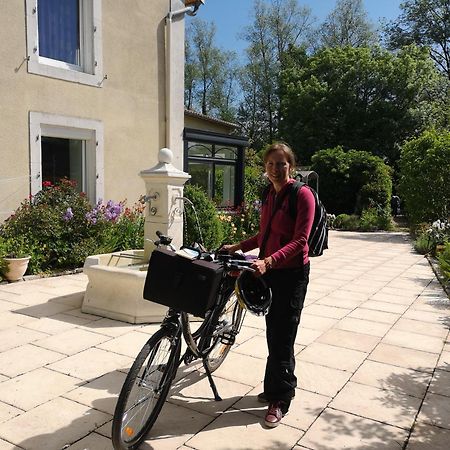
{"x":145,"y":389}
{"x":222,"y":333}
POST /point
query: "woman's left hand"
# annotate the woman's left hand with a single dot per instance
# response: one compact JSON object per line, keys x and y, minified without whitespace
{"x":260,"y":267}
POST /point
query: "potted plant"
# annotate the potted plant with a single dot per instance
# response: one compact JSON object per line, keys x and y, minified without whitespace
{"x":14,"y":258}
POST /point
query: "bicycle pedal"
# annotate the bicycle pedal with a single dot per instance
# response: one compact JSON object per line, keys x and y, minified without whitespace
{"x":228,"y":338}
{"x":188,"y":359}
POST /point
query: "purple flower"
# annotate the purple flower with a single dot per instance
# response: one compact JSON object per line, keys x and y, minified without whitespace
{"x":113,"y":211}
{"x":68,"y":215}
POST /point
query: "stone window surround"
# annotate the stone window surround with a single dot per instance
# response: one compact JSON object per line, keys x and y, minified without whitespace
{"x":91,"y":71}
{"x":89,"y":130}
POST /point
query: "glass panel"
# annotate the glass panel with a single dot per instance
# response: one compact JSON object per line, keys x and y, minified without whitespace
{"x":200,"y":150}
{"x":59,"y":30}
{"x":225,"y":152}
{"x":202,"y":175}
{"x":225,"y":181}
{"x":62,"y":158}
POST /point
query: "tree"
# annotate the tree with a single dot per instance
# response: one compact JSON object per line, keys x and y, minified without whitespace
{"x":347,"y":24}
{"x":359,"y":98}
{"x":352,"y":181}
{"x":425,"y":176}
{"x":425,"y":23}
{"x":210,"y":78}
{"x":276,"y":26}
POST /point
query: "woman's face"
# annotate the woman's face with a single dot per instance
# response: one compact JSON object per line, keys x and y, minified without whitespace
{"x":277,"y":167}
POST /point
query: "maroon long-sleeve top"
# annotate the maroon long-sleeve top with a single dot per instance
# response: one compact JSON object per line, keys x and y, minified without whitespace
{"x":287,"y":243}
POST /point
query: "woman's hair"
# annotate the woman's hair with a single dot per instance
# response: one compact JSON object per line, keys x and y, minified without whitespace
{"x":284,"y":148}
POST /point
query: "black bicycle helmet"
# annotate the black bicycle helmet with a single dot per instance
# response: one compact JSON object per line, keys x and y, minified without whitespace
{"x":253,"y":293}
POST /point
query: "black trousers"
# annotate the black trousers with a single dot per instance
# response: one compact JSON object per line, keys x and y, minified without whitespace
{"x":288,"y":294}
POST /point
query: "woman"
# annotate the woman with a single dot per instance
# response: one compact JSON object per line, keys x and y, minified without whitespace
{"x":284,"y":264}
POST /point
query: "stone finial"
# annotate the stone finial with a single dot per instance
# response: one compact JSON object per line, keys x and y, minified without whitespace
{"x":165,"y":156}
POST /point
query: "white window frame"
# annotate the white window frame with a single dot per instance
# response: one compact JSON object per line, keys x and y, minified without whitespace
{"x":88,"y":130}
{"x":90,"y":71}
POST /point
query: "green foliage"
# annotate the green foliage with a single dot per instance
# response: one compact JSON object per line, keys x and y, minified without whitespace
{"x":208,"y":219}
{"x":373,"y":219}
{"x":348,"y":24}
{"x":347,"y":222}
{"x":241,"y":222}
{"x":425,"y":177}
{"x":350,"y":182}
{"x":15,"y":247}
{"x":444,"y":261}
{"x":359,"y":98}
{"x":59,"y":228}
{"x":275,"y":27}
{"x":254,"y":181}
{"x":428,"y":237}
{"x":210,"y":72}
{"x":424,"y":244}
{"x":425,"y":23}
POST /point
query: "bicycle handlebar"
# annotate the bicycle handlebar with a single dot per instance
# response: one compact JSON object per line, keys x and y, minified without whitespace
{"x":236,"y":264}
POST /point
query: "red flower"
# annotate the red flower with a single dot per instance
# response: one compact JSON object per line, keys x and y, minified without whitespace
{"x":46,"y":184}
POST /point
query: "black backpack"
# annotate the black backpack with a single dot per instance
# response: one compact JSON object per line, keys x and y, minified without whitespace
{"x":318,"y":238}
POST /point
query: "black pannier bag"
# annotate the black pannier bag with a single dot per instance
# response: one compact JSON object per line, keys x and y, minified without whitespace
{"x":181,"y":283}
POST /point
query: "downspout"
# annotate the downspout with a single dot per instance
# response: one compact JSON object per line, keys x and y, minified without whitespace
{"x":170,"y":75}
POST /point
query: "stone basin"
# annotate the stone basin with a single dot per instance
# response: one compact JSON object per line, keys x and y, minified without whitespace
{"x":115,"y":287}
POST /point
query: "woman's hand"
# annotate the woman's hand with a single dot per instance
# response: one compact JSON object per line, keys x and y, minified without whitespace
{"x":230,"y":248}
{"x":260,"y":267}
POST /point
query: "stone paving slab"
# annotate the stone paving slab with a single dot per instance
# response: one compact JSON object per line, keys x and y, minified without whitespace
{"x":340,"y":430}
{"x":372,"y":361}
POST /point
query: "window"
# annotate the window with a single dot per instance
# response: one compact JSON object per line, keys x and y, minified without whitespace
{"x":215,"y":163}
{"x":213,"y":171}
{"x":62,"y":146}
{"x":64,"y":158}
{"x":64,"y":39}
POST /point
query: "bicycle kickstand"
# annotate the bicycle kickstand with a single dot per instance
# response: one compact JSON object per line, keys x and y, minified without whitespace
{"x":217,"y":397}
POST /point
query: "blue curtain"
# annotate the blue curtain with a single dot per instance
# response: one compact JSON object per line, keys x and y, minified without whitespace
{"x":59,"y":30}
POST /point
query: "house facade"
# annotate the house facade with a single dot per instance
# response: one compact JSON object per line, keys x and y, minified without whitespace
{"x":90,"y":90}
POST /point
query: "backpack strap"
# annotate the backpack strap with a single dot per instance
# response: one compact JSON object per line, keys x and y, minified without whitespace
{"x":277,"y":205}
{"x":265,"y":194}
{"x":293,"y":196}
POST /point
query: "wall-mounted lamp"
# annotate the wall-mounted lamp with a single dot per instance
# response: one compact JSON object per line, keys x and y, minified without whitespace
{"x":195,"y":4}
{"x":191,"y":8}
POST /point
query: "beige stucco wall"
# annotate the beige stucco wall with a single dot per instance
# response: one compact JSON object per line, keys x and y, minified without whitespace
{"x":131,"y":103}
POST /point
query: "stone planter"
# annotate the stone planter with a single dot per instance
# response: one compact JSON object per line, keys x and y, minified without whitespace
{"x":16,"y":268}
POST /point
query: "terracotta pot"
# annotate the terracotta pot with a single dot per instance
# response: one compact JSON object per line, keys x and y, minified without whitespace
{"x":16,"y":268}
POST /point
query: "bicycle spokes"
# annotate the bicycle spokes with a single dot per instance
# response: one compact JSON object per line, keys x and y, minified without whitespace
{"x":149,"y":383}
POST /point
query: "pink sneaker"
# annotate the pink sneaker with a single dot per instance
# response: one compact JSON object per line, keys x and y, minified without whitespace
{"x":274,"y":414}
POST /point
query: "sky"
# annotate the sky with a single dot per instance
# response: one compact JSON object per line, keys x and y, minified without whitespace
{"x":231,"y":16}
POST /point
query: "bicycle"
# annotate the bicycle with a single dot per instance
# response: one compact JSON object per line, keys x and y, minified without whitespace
{"x":150,"y":377}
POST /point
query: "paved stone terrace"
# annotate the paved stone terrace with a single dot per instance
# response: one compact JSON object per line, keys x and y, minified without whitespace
{"x":373,"y":361}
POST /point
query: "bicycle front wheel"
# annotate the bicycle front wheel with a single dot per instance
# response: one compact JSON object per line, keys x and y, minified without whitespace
{"x":222,"y":333}
{"x":145,"y":389}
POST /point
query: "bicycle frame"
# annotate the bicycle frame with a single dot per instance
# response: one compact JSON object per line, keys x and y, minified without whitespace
{"x":177,"y":322}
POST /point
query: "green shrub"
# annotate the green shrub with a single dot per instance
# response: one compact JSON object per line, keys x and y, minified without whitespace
{"x":352,"y":181}
{"x":424,"y":244}
{"x":444,"y":261}
{"x":347,"y":222}
{"x":208,"y":220}
{"x":425,"y":177}
{"x":240,"y":223}
{"x":60,"y":228}
{"x":428,"y":237}
{"x":369,"y":220}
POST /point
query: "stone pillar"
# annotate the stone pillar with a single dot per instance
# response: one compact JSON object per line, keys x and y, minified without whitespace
{"x":164,"y":185}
